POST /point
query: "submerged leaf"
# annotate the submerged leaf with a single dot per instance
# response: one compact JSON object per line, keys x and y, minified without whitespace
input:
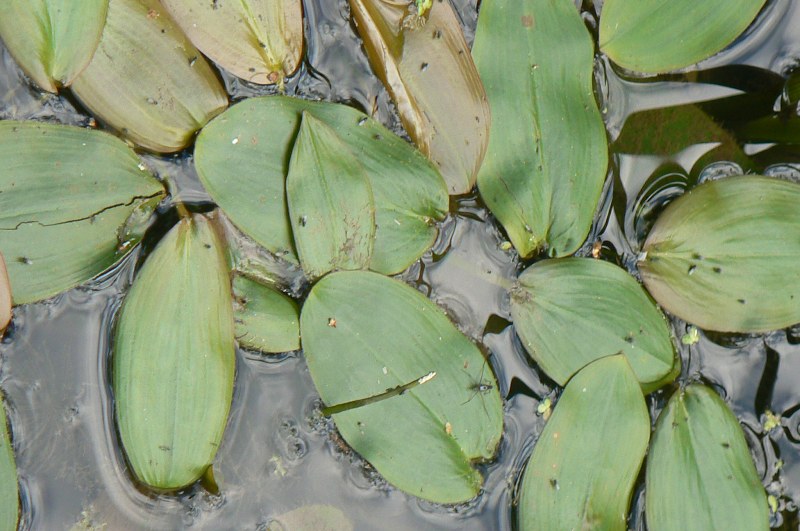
{"x":266,"y":319}
{"x":422,"y":58}
{"x":330,"y":202}
{"x":242,"y":158}
{"x":52,"y":40}
{"x":9,"y":483}
{"x":173,"y":362}
{"x":65,"y":195}
{"x":548,"y":152}
{"x":654,"y":36}
{"x":670,"y":130}
{"x":257,"y":40}
{"x":312,"y":518}
{"x":572,"y":311}
{"x":699,"y":471}
{"x":147,"y":80}
{"x":586,"y":461}
{"x":722,"y":256}
{"x":364,"y":333}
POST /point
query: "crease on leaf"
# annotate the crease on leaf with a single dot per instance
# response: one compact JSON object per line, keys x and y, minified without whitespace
{"x":133,"y":200}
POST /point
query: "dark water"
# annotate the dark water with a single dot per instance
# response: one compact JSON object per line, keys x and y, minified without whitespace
{"x":277,"y":454}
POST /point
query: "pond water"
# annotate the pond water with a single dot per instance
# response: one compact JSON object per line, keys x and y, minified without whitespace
{"x":278,"y":453}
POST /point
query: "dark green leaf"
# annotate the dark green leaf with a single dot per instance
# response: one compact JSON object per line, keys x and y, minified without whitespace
{"x":586,"y":461}
{"x":670,"y":130}
{"x":242,"y":158}
{"x":266,"y":319}
{"x":654,"y":36}
{"x":426,"y":67}
{"x":52,"y":40}
{"x":547,"y":156}
{"x":174,"y":361}
{"x":147,"y":80}
{"x":65,"y":195}
{"x":364,"y":333}
{"x":572,"y":311}
{"x":699,"y":471}
{"x":722,"y":256}
{"x":330,"y":202}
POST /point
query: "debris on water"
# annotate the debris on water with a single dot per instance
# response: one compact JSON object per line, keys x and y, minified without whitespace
{"x":691,"y":337}
{"x":771,"y":421}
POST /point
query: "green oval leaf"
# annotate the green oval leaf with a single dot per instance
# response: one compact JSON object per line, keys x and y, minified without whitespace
{"x":572,"y":311}
{"x":5,"y":296}
{"x":364,"y":333}
{"x":425,"y":64}
{"x":330,"y":202}
{"x":721,"y":256}
{"x":242,"y":158}
{"x":699,"y":471}
{"x":9,"y":484}
{"x":536,"y":59}
{"x":52,"y":40}
{"x":653,"y":36}
{"x":257,"y":40}
{"x":174,"y":360}
{"x":65,"y":195}
{"x":266,"y":319}
{"x":586,"y":461}
{"x":147,"y":80}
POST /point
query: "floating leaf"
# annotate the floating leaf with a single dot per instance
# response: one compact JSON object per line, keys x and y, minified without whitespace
{"x":266,"y":319}
{"x":258,"y":40}
{"x":539,"y":85}
{"x":65,"y":194}
{"x":572,"y":311}
{"x":364,"y":333}
{"x":586,"y":461}
{"x":9,"y":484}
{"x":312,"y":518}
{"x":243,"y":156}
{"x":330,"y":202}
{"x":653,"y":36}
{"x":173,"y":363}
{"x":425,"y":64}
{"x":147,"y":80}
{"x":699,"y":471}
{"x":52,"y":40}
{"x":721,"y":256}
{"x":5,"y":296}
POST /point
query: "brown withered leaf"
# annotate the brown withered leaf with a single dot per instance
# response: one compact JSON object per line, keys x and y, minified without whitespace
{"x":425,"y":64}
